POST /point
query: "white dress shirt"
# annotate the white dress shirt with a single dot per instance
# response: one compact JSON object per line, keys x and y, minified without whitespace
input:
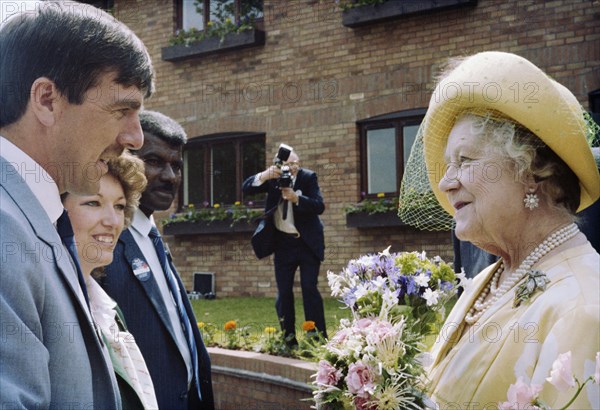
{"x":140,"y":228}
{"x":284,"y":225}
{"x":37,"y":179}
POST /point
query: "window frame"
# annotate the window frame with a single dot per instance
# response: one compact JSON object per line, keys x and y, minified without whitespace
{"x":259,"y":23}
{"x":207,"y":143}
{"x":396,"y":120}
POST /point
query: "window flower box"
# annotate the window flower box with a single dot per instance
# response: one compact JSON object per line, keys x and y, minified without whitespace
{"x":208,"y":227}
{"x":390,"y":10}
{"x":375,"y":220}
{"x":212,"y":45}
{"x":214,"y":219}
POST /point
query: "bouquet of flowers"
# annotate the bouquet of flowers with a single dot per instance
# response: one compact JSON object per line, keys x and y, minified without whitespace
{"x":376,"y":359}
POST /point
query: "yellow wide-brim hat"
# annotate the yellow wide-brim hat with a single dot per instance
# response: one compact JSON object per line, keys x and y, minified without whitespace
{"x":512,"y":86}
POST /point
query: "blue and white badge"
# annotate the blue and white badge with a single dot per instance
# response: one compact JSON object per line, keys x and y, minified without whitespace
{"x":141,"y":270}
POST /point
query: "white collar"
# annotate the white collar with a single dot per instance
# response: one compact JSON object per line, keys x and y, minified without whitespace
{"x":141,"y":223}
{"x":41,"y":184}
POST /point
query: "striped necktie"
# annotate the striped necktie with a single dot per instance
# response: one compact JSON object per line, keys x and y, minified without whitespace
{"x":183,"y":316}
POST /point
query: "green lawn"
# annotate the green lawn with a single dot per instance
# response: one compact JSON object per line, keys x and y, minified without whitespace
{"x":258,"y":313}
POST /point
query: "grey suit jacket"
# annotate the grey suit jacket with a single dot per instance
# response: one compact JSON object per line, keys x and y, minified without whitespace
{"x":50,"y":355}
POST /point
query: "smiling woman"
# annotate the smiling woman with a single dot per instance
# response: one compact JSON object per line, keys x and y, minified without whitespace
{"x":98,"y":221}
{"x":516,"y":172}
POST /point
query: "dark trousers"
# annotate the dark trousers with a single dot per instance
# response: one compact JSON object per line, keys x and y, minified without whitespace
{"x":291,"y":253}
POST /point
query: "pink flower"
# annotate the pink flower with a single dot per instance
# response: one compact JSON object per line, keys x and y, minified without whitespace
{"x":521,"y":396}
{"x":327,"y":375}
{"x":597,"y":372}
{"x":341,"y":336}
{"x":561,"y":375}
{"x":360,"y":379}
{"x":364,"y":323}
{"x":363,"y":403}
{"x":377,"y":331}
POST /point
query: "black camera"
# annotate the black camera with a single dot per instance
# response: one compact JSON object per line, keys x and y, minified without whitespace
{"x":285,"y":179}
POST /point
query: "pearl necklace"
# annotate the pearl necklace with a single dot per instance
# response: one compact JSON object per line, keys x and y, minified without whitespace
{"x":555,"y":239}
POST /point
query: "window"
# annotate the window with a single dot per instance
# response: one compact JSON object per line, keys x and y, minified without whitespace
{"x":385,"y":144}
{"x":196,"y":13}
{"x":215,"y":167}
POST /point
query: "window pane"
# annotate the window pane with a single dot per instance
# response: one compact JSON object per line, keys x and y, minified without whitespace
{"x":410,"y":134}
{"x":191,"y":18}
{"x":223,"y":176}
{"x":253,"y":161}
{"x":381,"y":160}
{"x":193,"y":175}
{"x":252,"y":9}
{"x":221,"y":10}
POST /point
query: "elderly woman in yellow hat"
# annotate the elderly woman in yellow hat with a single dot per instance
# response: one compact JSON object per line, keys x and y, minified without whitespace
{"x":506,"y":154}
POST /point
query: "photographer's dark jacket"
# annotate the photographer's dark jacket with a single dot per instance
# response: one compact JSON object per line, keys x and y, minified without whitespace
{"x":306,"y":212}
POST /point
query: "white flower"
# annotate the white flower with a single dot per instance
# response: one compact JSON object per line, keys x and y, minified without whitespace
{"x":361,"y":290}
{"x":561,"y":375}
{"x":379,"y":284}
{"x":422,"y":280}
{"x":431,"y":296}
{"x":335,"y":283}
{"x":386,"y":252}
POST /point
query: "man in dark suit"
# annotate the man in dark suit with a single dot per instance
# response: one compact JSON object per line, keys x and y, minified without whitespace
{"x":145,"y":284}
{"x":299,"y":240}
{"x":66,"y":108}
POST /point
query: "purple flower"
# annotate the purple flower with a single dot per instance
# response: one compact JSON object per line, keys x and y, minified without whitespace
{"x":446,"y":286}
{"x":350,"y":298}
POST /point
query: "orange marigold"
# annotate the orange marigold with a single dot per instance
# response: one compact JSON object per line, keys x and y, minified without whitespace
{"x":308,"y":326}
{"x":231,"y":325}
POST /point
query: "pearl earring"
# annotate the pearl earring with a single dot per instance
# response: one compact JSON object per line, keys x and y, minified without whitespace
{"x":531,"y":200}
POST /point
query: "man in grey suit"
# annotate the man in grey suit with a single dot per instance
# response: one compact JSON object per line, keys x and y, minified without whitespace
{"x":73,"y":80}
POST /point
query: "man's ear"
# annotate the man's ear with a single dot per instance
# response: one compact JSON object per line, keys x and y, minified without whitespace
{"x":44,"y":101}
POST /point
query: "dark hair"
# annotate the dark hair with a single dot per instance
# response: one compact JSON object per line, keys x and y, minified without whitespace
{"x":72,"y":44}
{"x":165,"y":128}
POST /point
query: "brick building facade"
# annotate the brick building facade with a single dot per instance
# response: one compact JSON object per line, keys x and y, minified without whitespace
{"x":314,"y":79}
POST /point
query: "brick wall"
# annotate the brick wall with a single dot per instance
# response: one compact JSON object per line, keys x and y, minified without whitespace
{"x":255,"y":381}
{"x":314,"y":78}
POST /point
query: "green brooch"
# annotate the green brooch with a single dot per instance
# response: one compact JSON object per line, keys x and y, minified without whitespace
{"x":534,"y":280}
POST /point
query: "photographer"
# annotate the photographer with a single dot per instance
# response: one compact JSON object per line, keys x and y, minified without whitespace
{"x":295,"y":200}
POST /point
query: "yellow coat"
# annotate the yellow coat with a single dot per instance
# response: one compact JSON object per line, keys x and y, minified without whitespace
{"x":475,"y":370}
